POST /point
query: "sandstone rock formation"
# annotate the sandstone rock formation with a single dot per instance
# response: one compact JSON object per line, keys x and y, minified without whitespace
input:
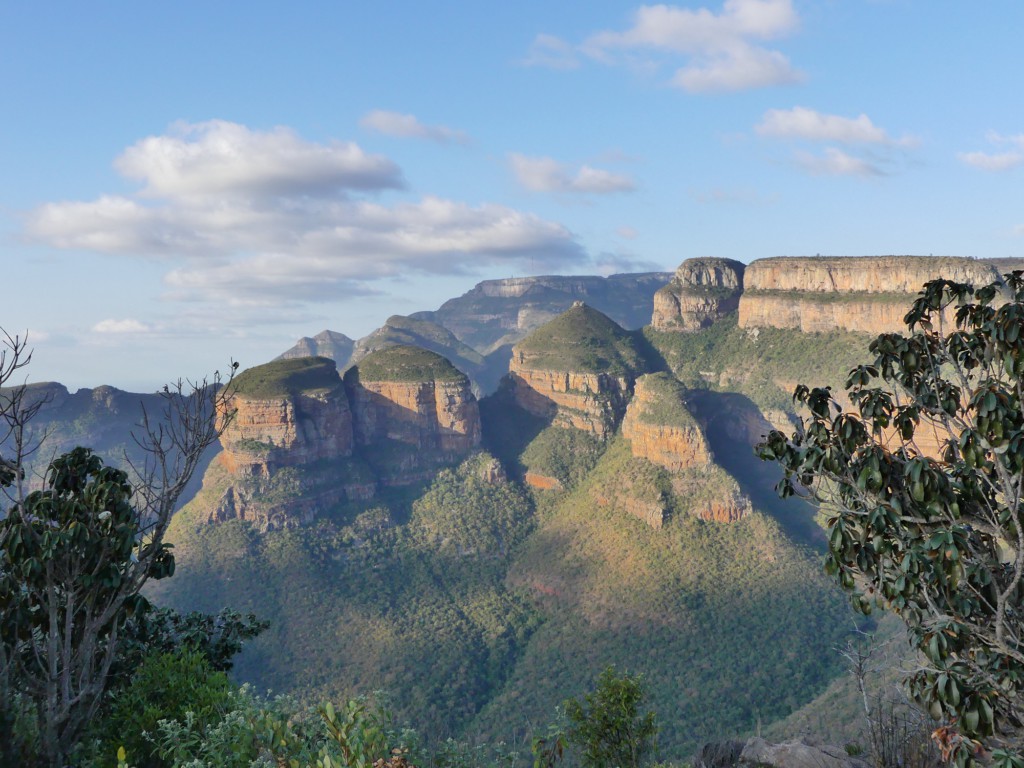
{"x":417,"y":399}
{"x":701,"y":291}
{"x":869,"y":294}
{"x":577,"y":370}
{"x":660,"y":429}
{"x":287,"y":430}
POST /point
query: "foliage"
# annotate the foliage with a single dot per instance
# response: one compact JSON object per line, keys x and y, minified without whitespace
{"x":566,"y":454}
{"x":607,"y":725}
{"x":166,"y":686}
{"x":75,"y":554}
{"x":287,"y":377}
{"x":219,"y":637}
{"x":583,"y":340}
{"x":758,"y":362}
{"x":404,"y":363}
{"x":665,"y":403}
{"x":933,"y":532}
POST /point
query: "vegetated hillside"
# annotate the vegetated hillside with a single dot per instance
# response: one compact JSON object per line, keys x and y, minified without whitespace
{"x":481,"y":604}
{"x":405,"y":592}
{"x":765,"y":364}
{"x":288,"y":376}
{"x":582,"y":340}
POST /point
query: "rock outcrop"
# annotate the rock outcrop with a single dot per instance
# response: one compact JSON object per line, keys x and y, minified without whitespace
{"x":577,"y":370}
{"x":868,"y":294}
{"x":300,"y":440}
{"x":701,"y":291}
{"x":418,"y":400}
{"x":288,"y":430}
{"x":660,"y":428}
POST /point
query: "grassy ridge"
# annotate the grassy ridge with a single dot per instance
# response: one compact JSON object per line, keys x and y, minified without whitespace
{"x":583,"y":340}
{"x":404,"y":363}
{"x":287,"y":377}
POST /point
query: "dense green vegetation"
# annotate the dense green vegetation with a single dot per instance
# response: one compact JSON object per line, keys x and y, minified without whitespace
{"x":666,"y":403}
{"x":287,"y":377}
{"x":583,"y":340}
{"x":763,"y":363}
{"x":404,"y":363}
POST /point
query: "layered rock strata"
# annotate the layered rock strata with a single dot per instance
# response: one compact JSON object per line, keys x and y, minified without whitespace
{"x":577,"y":370}
{"x":701,"y":291}
{"x":868,"y":294}
{"x":660,"y":429}
{"x":288,"y":430}
{"x":592,"y":402}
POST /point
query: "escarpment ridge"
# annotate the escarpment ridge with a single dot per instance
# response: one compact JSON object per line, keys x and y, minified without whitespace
{"x":868,"y":294}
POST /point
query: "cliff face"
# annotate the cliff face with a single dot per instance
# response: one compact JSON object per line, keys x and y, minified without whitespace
{"x":301,"y":441}
{"x":287,"y":431}
{"x":592,"y":402}
{"x":869,"y":294}
{"x":701,"y":291}
{"x":577,"y":370}
{"x":660,"y":430}
{"x":438,"y":417}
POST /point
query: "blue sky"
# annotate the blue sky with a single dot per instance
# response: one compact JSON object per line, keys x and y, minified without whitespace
{"x":185,"y":183}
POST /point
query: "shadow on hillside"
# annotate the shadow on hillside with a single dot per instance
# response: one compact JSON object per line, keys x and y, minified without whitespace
{"x":733,"y":425}
{"x":507,"y":429}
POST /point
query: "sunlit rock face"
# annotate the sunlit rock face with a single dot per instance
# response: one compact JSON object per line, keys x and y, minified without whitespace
{"x":701,"y":291}
{"x":868,"y":294}
{"x":660,"y":429}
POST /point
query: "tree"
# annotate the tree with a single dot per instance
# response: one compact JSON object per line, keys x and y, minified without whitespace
{"x":75,"y":554}
{"x":922,"y":478}
{"x":607,"y":725}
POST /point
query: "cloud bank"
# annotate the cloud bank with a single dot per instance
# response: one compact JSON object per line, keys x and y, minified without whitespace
{"x":868,"y":149}
{"x":1003,"y":160}
{"x":257,"y":218}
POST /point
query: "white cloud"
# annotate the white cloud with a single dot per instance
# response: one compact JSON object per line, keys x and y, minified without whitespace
{"x":221,"y":159}
{"x":629,"y":233}
{"x":804,"y":123}
{"x":409,"y":126}
{"x":551,"y":52}
{"x":1000,"y":161}
{"x":835,"y":162}
{"x":722,"y":49}
{"x":299,"y":232}
{"x":996,"y":161}
{"x":124,"y":326}
{"x":545,"y":174}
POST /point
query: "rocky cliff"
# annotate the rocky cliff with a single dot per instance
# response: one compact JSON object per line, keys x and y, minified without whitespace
{"x":869,"y":294}
{"x":701,"y":291}
{"x":660,"y":428}
{"x":287,"y":446}
{"x":413,"y":407}
{"x":577,"y":370}
{"x":300,"y":440}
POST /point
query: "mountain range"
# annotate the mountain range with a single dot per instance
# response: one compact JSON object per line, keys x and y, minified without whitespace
{"x":478,"y":508}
